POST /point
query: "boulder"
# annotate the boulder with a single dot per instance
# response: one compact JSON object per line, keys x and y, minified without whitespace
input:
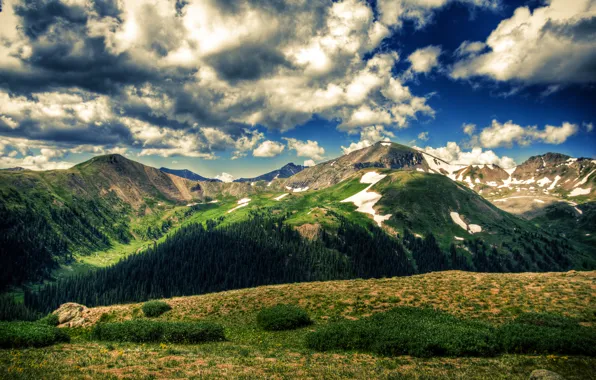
{"x":71,"y":315}
{"x":544,"y":374}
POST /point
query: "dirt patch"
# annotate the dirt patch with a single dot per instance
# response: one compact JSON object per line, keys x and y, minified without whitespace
{"x":309,"y":231}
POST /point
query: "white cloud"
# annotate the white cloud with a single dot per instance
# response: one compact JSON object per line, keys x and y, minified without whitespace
{"x":452,"y":153}
{"x":215,"y":69}
{"x":508,"y":133}
{"x":425,"y":59}
{"x":309,"y":163}
{"x":589,"y":127}
{"x":33,"y":155}
{"x":552,"y":44}
{"x":423,"y":136}
{"x":469,"y":129}
{"x":468,"y":48}
{"x":309,"y":148}
{"x":356,"y":146}
{"x":369,"y":136}
{"x":268,"y":149}
{"x":225,"y":177}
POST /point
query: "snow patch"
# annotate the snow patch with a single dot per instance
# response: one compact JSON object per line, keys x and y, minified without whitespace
{"x":420,"y":170}
{"x":544,"y":181}
{"x":538,"y":201}
{"x":191,"y":204}
{"x":365,"y":200}
{"x":472,"y":228}
{"x":214,"y":201}
{"x":584,"y":179}
{"x":241,"y":203}
{"x":578,"y":210}
{"x":458,"y":238}
{"x":552,"y":186}
{"x":280,"y":197}
{"x":579,"y":191}
{"x":385,"y":144}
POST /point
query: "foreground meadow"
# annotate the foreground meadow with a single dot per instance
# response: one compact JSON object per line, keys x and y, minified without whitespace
{"x":250,"y":352}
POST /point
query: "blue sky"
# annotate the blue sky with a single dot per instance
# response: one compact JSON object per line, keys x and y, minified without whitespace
{"x":248,"y":88}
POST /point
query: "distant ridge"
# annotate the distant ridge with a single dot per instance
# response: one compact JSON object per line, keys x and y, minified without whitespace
{"x":187,"y":174}
{"x":286,"y":171}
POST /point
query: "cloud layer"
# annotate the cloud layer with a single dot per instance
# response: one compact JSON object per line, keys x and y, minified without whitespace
{"x":195,"y":78}
{"x":553,"y":44}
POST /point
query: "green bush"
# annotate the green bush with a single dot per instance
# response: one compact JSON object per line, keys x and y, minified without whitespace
{"x":425,"y":332}
{"x":529,"y":339}
{"x":408,"y":331}
{"x":30,"y":334}
{"x":50,"y":320}
{"x":282,"y":317}
{"x":155,"y":308}
{"x":143,"y":331}
{"x":546,"y":320}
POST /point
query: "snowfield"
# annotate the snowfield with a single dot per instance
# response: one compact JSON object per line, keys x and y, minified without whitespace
{"x":297,"y":189}
{"x":365,"y":200}
{"x":472,"y":228}
{"x":241,"y":203}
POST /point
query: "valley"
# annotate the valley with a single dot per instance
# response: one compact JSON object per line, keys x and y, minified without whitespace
{"x":126,"y":207}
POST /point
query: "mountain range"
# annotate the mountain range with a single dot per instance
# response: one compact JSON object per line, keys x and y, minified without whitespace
{"x":538,"y":216}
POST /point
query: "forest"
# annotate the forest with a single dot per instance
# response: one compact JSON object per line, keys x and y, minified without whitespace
{"x":264,"y":250}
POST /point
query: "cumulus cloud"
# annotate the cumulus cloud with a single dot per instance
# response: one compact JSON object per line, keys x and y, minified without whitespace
{"x":509,"y":133}
{"x":423,"y":136}
{"x":589,"y":127}
{"x":554,"y":44}
{"x":308,"y":163}
{"x":425,"y":59}
{"x":369,"y":136}
{"x":33,"y":155}
{"x":194,"y":77}
{"x":452,"y":153}
{"x":225,"y":177}
{"x":308,"y":148}
{"x":268,"y":149}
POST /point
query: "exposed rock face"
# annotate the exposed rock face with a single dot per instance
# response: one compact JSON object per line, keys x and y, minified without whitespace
{"x":543,"y":374}
{"x":286,"y":171}
{"x":71,"y":315}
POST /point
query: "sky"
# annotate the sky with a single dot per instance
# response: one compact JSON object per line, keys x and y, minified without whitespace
{"x":237,"y":88}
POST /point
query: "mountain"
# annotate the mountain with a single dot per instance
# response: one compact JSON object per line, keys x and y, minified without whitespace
{"x":286,"y":171}
{"x":187,"y":174}
{"x":54,"y":219}
{"x":15,"y":169}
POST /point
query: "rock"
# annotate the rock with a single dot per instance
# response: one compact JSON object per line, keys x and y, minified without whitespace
{"x":71,"y":315}
{"x":544,"y":374}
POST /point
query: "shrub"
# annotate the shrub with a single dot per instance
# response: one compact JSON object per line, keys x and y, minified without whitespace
{"x":143,"y":331}
{"x":50,"y":320}
{"x":155,"y":308}
{"x":530,"y":339}
{"x":546,"y":320}
{"x":30,"y":334}
{"x":408,"y":331}
{"x":282,"y":317}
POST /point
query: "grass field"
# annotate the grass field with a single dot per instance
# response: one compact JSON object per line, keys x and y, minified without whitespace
{"x":251,"y":352}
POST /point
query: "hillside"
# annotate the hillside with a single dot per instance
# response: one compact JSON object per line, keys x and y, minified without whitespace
{"x":250,"y":351}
